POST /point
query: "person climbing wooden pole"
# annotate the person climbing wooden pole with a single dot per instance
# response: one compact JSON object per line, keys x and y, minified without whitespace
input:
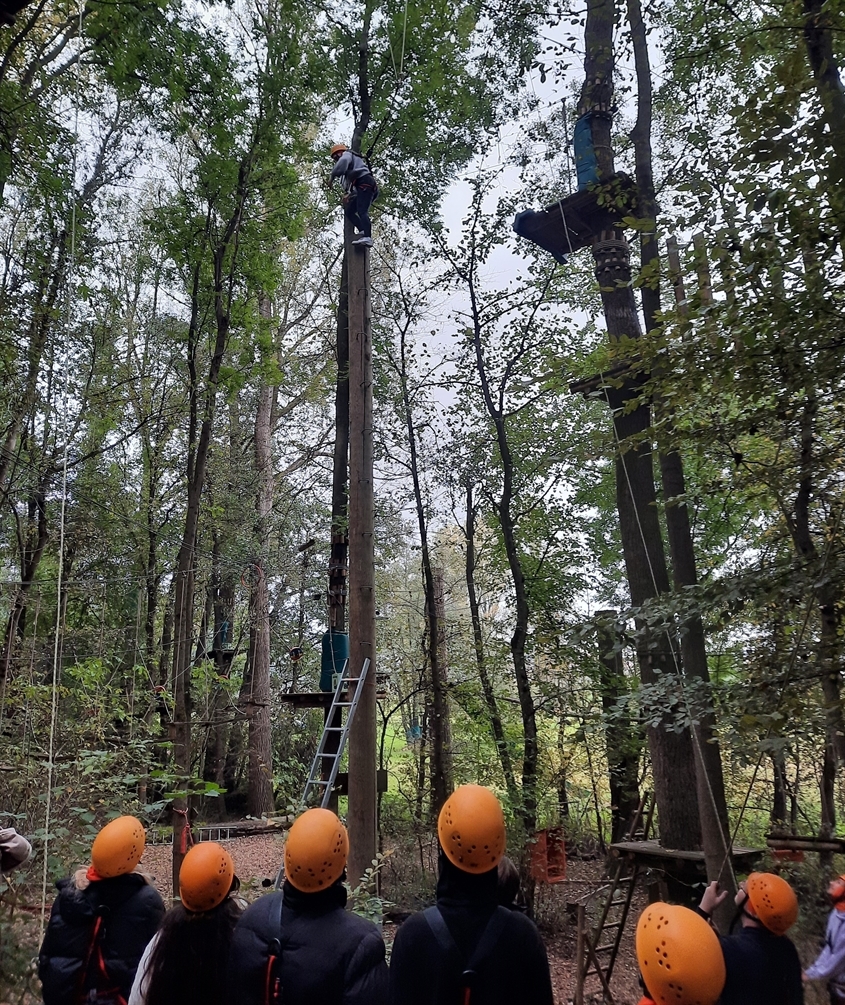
{"x":359,"y":187}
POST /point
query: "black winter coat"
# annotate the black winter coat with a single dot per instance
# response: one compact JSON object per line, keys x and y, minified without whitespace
{"x":131,"y":910}
{"x":762,"y":969}
{"x":516,"y":972}
{"x":329,"y":956}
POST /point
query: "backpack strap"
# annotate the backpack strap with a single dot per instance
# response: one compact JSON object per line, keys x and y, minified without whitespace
{"x":272,"y":979}
{"x":486,"y":944}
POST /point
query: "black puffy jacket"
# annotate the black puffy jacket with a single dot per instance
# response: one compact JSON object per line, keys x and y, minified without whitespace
{"x":329,"y":956}
{"x":762,"y":969}
{"x":423,"y":973}
{"x":130,"y":909}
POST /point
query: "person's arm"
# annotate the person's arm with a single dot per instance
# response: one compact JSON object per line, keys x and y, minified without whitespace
{"x":140,"y":986}
{"x":342,"y":165}
{"x":250,"y":953}
{"x":404,"y":983}
{"x":535,"y":964}
{"x":831,"y":960}
{"x":367,"y":975}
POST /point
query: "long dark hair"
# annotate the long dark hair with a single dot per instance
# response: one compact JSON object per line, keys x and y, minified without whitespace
{"x":188,"y":962}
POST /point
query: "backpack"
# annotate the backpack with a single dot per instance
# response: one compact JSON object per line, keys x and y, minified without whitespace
{"x":486,"y":944}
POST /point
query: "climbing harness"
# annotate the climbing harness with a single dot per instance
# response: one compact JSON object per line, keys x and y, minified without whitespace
{"x":273,"y":990}
{"x":105,"y":991}
{"x":483,"y":951}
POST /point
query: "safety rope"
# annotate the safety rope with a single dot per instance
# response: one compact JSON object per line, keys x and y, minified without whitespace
{"x":58,"y":636}
{"x":675,"y":660}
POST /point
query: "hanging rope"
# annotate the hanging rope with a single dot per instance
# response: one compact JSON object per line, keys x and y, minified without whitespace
{"x":675,"y":660}
{"x":59,"y":630}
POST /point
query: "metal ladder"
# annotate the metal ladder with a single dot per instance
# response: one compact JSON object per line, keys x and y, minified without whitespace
{"x":339,"y":702}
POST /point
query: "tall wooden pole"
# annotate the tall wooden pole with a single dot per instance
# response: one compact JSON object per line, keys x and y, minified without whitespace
{"x":361,"y":818}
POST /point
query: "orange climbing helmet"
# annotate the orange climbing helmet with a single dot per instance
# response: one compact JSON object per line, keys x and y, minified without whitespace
{"x":772,"y":900}
{"x":205,"y":878}
{"x":118,"y":848}
{"x":338,"y":148}
{"x":471,"y":828}
{"x":679,"y":955}
{"x":316,"y":851}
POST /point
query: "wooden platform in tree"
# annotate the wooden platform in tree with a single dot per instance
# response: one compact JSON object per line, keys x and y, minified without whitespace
{"x":655,"y":856}
{"x":307,"y":699}
{"x":574,"y":222}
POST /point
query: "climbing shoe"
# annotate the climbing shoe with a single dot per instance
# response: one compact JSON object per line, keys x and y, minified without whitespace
{"x":363,"y":242}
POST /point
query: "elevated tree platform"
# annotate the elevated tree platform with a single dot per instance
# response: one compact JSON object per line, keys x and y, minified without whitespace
{"x":574,"y":222}
{"x":652,"y":855}
{"x":307,"y":699}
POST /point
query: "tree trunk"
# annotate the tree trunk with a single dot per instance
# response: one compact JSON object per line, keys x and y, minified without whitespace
{"x":642,"y":542}
{"x":260,"y":798}
{"x":441,"y":774}
{"x":623,"y":737}
{"x":710,"y":785}
{"x":363,"y":839}
{"x":496,"y":725}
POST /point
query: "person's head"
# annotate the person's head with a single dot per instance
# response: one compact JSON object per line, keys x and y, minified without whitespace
{"x":118,"y":848}
{"x":316,"y":851}
{"x":207,"y":877}
{"x":768,"y":900}
{"x":680,"y":958}
{"x":508,"y":886}
{"x":836,"y":892}
{"x":14,"y":850}
{"x":471,"y":829}
{"x":190,"y":958}
{"x":337,"y":151}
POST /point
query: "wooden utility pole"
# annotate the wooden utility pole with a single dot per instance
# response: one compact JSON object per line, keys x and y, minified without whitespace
{"x":361,"y":818}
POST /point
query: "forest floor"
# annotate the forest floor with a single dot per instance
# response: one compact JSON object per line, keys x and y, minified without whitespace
{"x":257,"y":860}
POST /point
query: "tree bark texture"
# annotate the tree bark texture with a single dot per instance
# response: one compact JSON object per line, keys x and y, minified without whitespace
{"x":623,"y":736}
{"x":260,"y":791}
{"x":362,"y":609}
{"x":496,"y":724}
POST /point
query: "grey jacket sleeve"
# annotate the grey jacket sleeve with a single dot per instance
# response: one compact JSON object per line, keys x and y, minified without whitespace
{"x":343,"y":165}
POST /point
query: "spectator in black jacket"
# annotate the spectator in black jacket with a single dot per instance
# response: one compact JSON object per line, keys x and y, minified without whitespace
{"x":301,"y":946}
{"x":101,"y":922}
{"x":468,"y":944}
{"x":762,"y":964}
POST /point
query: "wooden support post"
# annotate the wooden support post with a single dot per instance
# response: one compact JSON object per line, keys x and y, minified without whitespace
{"x":363,"y":838}
{"x":580,"y":954}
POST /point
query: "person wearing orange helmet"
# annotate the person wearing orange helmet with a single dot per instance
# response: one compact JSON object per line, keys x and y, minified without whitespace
{"x":468,"y":948}
{"x":187,"y":959}
{"x":679,"y":956}
{"x":301,"y":946}
{"x":101,"y":922}
{"x":829,"y":965}
{"x":359,"y":188}
{"x":761,"y":962}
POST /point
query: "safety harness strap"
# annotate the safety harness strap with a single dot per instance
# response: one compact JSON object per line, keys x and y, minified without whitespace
{"x":486,"y":944}
{"x":273,"y":978}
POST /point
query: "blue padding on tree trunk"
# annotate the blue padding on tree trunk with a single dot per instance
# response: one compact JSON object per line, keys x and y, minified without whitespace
{"x":586,"y":166}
